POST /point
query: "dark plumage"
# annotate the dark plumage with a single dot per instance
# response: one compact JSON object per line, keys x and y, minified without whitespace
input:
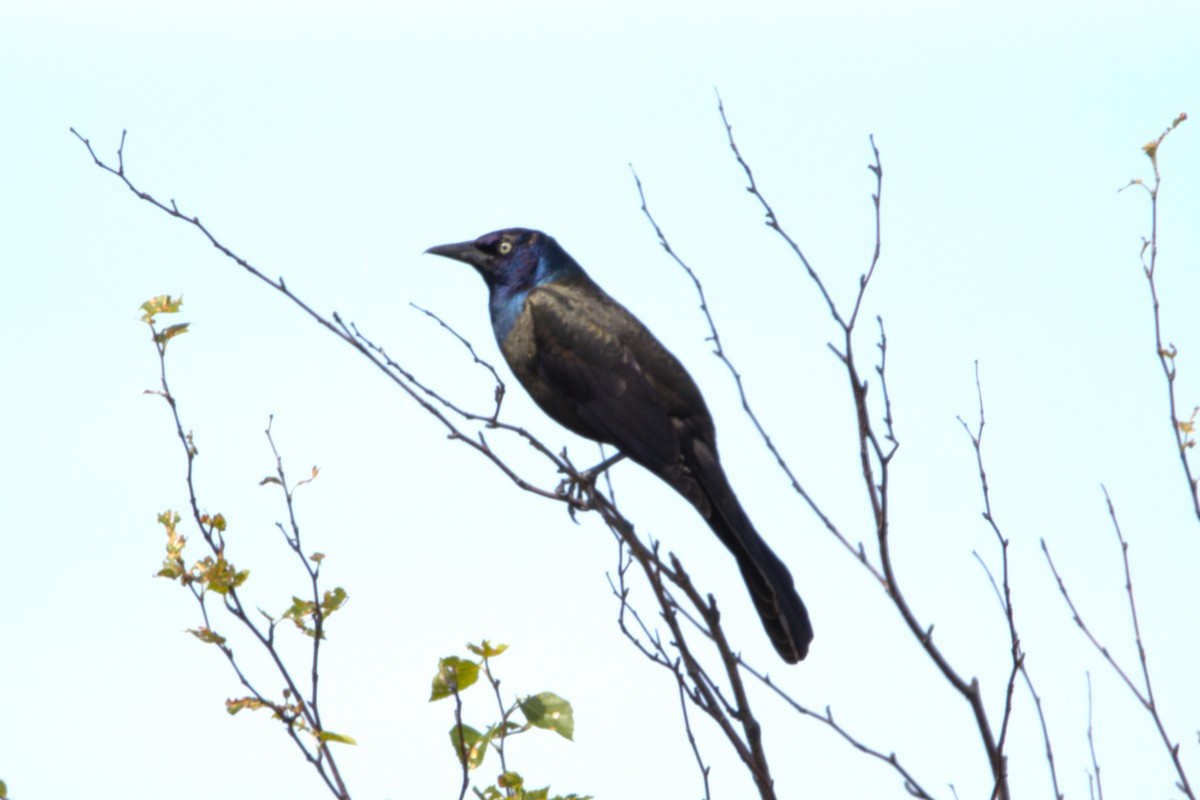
{"x":595,"y":369}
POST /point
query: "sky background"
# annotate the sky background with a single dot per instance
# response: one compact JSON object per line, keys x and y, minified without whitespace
{"x":333,"y":144}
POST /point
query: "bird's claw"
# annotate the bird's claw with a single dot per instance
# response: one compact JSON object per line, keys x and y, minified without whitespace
{"x":579,"y":489}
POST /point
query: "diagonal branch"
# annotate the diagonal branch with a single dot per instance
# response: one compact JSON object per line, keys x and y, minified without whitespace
{"x":1144,"y":696}
{"x":715,"y":337}
{"x":297,"y":713}
{"x":1004,"y":594}
{"x":733,"y":717}
{"x":876,"y":449}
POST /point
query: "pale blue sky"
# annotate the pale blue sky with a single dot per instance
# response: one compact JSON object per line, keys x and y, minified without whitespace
{"x":332,"y":145}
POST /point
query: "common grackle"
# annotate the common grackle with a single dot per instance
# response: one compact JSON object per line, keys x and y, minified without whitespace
{"x":596,"y":370}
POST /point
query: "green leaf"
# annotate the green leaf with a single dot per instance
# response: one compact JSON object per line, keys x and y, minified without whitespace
{"x":207,"y":636}
{"x":330,"y":736}
{"x":167,"y":334}
{"x":220,"y":576}
{"x":333,"y":600}
{"x":215,"y":522}
{"x":163,"y":304}
{"x":469,"y":745}
{"x":234,"y":706}
{"x":548,"y":710}
{"x":299,"y":610}
{"x":170,"y":570}
{"x":454,"y":674}
{"x":3,"y":790}
{"x":173,"y":566}
{"x":487,"y":649}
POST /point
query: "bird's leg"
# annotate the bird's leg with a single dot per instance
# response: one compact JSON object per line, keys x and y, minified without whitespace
{"x":578,"y":487}
{"x":595,"y":471}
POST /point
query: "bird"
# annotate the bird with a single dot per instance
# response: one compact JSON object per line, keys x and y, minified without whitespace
{"x":594,"y":368}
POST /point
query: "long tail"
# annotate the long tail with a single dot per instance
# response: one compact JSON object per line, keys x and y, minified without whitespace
{"x":770,"y":583}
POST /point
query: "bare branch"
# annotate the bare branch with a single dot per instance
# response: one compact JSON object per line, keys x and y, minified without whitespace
{"x":1183,"y":430}
{"x":500,"y":388}
{"x":1094,"y":777}
{"x":1003,"y":591}
{"x":297,"y":712}
{"x":715,"y":337}
{"x":1144,"y":696}
{"x":910,"y":783}
{"x":773,"y":221}
{"x":875,"y":456}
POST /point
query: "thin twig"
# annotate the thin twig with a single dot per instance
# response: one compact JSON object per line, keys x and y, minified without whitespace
{"x":505,"y":711}
{"x":1183,"y":431}
{"x":1004,"y":589}
{"x":715,"y":337}
{"x":462,"y":741}
{"x":911,"y":785}
{"x":875,"y":456}
{"x":500,"y":388}
{"x":687,"y":726}
{"x":1146,"y":696}
{"x":1095,"y":774}
{"x":300,"y":709}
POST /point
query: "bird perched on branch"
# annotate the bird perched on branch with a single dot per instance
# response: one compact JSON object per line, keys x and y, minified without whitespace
{"x":596,"y":370}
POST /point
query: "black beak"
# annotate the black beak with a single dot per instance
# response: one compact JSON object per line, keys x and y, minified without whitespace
{"x":465,"y":252}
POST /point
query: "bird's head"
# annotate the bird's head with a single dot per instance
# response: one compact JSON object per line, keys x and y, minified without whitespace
{"x":516,"y":259}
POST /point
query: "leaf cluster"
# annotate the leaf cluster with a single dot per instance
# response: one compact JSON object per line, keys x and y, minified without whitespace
{"x":545,"y":710}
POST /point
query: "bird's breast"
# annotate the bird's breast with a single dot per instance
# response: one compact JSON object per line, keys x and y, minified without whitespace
{"x":517,"y":342}
{"x":534,"y":345}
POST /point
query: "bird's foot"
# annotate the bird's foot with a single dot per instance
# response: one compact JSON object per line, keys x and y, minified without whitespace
{"x":579,"y":491}
{"x":580,"y":487}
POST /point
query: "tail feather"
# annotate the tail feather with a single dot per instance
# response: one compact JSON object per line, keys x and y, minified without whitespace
{"x":767,"y":578}
{"x":780,"y":608}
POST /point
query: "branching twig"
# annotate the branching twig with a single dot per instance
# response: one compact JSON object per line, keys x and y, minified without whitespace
{"x":876,"y":451}
{"x":505,"y":712}
{"x":690,"y":676}
{"x":1004,"y":593}
{"x":297,"y":712}
{"x":1183,"y":430}
{"x":1144,"y":696}
{"x":910,"y":783}
{"x":1037,"y":703}
{"x":500,"y":388}
{"x":773,"y":221}
{"x":349,"y":334}
{"x":687,"y":726}
{"x":714,"y":336}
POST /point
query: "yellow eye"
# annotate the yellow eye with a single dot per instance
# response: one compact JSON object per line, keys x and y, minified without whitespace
{"x":505,"y":248}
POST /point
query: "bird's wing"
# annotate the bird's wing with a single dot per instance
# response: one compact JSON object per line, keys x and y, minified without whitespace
{"x":582,"y":356}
